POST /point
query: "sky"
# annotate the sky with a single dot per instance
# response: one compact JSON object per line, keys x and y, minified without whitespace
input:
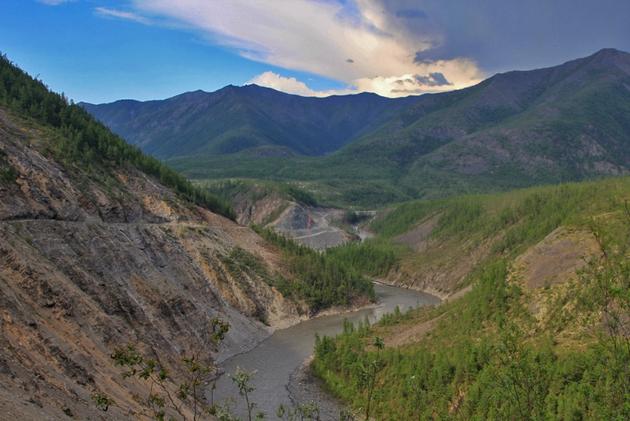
{"x":105,"y":50}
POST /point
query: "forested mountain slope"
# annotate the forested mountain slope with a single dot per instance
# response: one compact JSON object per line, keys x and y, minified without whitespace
{"x":537,"y":319}
{"x":563,"y":123}
{"x":252,"y":119}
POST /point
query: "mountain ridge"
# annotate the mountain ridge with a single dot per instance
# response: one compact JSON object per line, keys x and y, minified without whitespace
{"x":514,"y":129}
{"x":256,"y":117}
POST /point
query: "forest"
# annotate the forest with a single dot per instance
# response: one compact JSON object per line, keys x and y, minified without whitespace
{"x":321,"y":279}
{"x":488,"y":356}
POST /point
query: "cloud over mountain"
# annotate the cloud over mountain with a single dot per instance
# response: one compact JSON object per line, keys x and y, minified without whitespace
{"x":392,"y":47}
{"x":355,"y":43}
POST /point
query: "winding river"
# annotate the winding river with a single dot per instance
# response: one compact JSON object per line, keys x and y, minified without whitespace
{"x":277,"y":357}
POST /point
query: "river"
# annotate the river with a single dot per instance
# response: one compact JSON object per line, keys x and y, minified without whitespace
{"x":277,"y":357}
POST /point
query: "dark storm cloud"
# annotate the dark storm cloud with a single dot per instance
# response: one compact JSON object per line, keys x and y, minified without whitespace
{"x":507,"y":34}
{"x":432,"y":79}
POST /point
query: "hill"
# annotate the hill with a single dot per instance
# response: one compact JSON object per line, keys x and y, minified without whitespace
{"x":516,"y":129}
{"x":562,"y":123}
{"x":536,"y":319}
{"x":103,"y":246}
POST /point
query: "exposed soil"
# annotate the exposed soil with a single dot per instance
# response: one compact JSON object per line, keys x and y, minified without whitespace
{"x":412,"y":334}
{"x":92,"y":261}
{"x":557,"y":258}
{"x":418,"y":238}
{"x":313,"y":227}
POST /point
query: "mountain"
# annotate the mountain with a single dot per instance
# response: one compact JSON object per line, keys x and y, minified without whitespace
{"x":103,"y":246}
{"x":253,"y":119}
{"x":562,"y":123}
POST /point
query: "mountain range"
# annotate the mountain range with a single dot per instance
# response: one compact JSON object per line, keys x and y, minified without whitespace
{"x":519,"y":128}
{"x":251,"y":118}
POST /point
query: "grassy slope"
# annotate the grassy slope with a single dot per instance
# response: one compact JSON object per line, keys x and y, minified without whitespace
{"x":486,"y":355}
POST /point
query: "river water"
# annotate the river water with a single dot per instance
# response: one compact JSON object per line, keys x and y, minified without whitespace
{"x":282,"y":353}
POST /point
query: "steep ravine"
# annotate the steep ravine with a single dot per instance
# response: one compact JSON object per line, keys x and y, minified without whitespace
{"x":91,"y":259}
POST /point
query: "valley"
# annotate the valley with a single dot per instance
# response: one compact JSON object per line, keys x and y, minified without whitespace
{"x":287,"y":208}
{"x":280,"y":356}
{"x":461,"y":255}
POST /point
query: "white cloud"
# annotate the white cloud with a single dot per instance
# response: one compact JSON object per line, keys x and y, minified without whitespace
{"x":291,"y":85}
{"x":121,"y":14}
{"x":365,"y":47}
{"x":438,"y":76}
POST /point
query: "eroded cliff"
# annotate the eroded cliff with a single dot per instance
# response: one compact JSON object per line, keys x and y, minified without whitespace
{"x":93,"y":257}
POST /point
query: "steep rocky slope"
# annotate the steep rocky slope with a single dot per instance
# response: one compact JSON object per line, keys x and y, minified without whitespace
{"x":286,"y":208}
{"x":92,"y":258}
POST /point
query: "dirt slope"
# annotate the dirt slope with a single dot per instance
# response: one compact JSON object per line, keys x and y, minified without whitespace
{"x":92,"y":260}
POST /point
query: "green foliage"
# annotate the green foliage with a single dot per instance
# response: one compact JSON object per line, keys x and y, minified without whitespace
{"x":353,"y":218}
{"x":230,"y":189}
{"x":395,"y":317}
{"x":102,"y":401}
{"x":299,"y":195}
{"x":301,"y":412}
{"x":370,"y":257}
{"x":82,"y":141}
{"x":242,"y":379}
{"x":341,"y":183}
{"x":322,"y":279}
{"x":487,"y":357}
{"x":166,"y":393}
{"x":520,"y":218}
{"x":404,"y":217}
{"x":456,"y":143}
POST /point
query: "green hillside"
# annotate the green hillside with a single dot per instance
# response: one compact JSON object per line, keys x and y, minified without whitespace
{"x":250,"y":120}
{"x":543,"y":332}
{"x":517,"y":129}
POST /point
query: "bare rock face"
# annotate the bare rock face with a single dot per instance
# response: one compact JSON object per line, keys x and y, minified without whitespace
{"x":91,"y":260}
{"x":313,"y":226}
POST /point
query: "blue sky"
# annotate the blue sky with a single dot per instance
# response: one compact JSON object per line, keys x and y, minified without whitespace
{"x":100,"y":50}
{"x":98,"y":59}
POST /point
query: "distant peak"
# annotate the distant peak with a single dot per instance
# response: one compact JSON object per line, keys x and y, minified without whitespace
{"x":236,"y":88}
{"x":608,"y":53}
